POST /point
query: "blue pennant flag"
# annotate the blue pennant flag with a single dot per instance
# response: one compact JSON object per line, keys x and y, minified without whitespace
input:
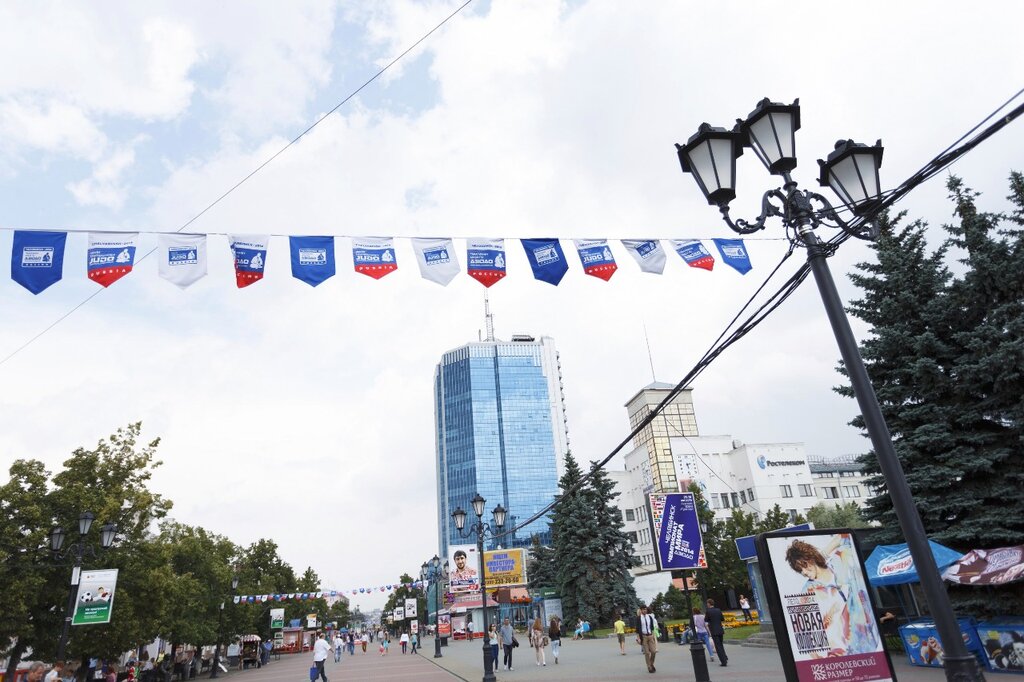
{"x":37,"y":260}
{"x":312,"y":259}
{"x":734,"y":253}
{"x":547,"y":259}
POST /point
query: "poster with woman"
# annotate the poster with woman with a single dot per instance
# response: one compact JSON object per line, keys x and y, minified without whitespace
{"x":821,"y":609}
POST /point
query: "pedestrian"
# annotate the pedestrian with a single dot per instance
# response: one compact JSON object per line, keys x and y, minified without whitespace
{"x":36,"y":672}
{"x":745,"y":606}
{"x":385,"y":642}
{"x":364,"y":640}
{"x":320,"y":651}
{"x":404,"y":641}
{"x":71,"y":670}
{"x":646,"y":627}
{"x":339,"y":645}
{"x":351,"y":643}
{"x":508,"y":641}
{"x":111,"y":675}
{"x":620,"y":633}
{"x":701,"y":626}
{"x":537,"y":639}
{"x":494,"y":639}
{"x":578,"y":632}
{"x":555,"y":635}
{"x":268,"y":646}
{"x":414,"y":639}
{"x":469,"y":630}
{"x":56,"y":672}
{"x":714,"y":620}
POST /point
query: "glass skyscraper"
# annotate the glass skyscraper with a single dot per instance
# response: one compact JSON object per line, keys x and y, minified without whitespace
{"x":501,"y":432}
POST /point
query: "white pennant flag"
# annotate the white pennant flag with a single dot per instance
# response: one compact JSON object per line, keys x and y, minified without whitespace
{"x":437,"y":259}
{"x":647,"y":253}
{"x":182,"y":258}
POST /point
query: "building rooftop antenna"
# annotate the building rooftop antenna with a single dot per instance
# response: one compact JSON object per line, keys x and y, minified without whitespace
{"x":488,"y":317}
{"x":650,"y":357}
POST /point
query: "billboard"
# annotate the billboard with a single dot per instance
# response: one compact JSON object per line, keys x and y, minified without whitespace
{"x":504,"y":567}
{"x":276,"y":618}
{"x":817,"y":592}
{"x":676,"y":529}
{"x":95,"y":601}
{"x":311,"y":621}
{"x":463,"y":563}
{"x":410,"y":608}
{"x":444,"y":625}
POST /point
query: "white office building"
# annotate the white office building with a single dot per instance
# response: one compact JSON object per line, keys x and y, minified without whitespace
{"x":840,"y":481}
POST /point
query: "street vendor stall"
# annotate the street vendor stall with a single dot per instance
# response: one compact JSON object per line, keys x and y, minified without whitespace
{"x":250,"y":655}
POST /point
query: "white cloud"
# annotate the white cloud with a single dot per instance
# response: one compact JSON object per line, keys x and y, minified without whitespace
{"x":51,"y":127}
{"x":106,"y":186}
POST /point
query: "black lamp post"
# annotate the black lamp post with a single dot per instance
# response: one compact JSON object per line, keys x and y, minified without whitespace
{"x":220,"y":630}
{"x":459,"y":516}
{"x":852,"y":172}
{"x":434,"y":572}
{"x":78,"y":550}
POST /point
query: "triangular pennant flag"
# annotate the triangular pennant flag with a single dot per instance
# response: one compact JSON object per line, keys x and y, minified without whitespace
{"x":374,"y":256}
{"x":37,"y":259}
{"x":237,"y":598}
{"x":647,"y":253}
{"x":596,"y":257}
{"x":111,"y":255}
{"x":437,"y":259}
{"x":182,"y":258}
{"x":312,"y":259}
{"x":546,"y":259}
{"x":734,"y":253}
{"x":250,"y":252}
{"x":485,"y":260}
{"x":693,"y":252}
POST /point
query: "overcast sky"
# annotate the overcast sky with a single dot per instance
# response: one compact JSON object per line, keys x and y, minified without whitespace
{"x":305,"y":415}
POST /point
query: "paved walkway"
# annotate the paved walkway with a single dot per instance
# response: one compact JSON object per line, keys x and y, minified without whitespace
{"x":368,"y":666}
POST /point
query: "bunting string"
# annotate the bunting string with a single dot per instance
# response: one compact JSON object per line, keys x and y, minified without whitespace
{"x":321,"y":593}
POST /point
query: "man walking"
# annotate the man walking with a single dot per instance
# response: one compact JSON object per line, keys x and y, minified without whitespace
{"x":507,"y":636}
{"x":320,"y":651}
{"x":620,"y":633}
{"x":714,"y":619}
{"x":645,"y":637}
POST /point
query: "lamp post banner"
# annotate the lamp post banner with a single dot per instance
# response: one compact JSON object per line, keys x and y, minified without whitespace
{"x":276,"y":618}
{"x":95,"y":602}
{"x":676,"y":525}
{"x":463,"y":576}
{"x":410,"y":608}
{"x":399,"y":613}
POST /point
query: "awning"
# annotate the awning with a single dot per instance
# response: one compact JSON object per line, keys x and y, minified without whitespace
{"x":893,"y":565}
{"x":249,"y":638}
{"x":988,"y":567}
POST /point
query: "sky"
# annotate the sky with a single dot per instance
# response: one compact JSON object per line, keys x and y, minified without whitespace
{"x":305,"y":415}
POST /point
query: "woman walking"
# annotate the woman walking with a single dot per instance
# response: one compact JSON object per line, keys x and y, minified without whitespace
{"x":555,"y":635}
{"x":493,"y":638}
{"x":701,"y":626}
{"x":537,"y":638}
{"x":404,"y":641}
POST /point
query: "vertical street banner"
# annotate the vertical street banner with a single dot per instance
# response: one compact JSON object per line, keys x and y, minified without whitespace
{"x":734,"y":253}
{"x":111,"y":256}
{"x":414,"y":627}
{"x":444,"y":625}
{"x":182,"y":258}
{"x":485,"y":260}
{"x":596,"y":258}
{"x":399,"y":613}
{"x":648,"y":254}
{"x":675,"y":526}
{"x":694,"y":253}
{"x":311,"y":621}
{"x":374,"y":256}
{"x":37,"y":259}
{"x":410,"y":608}
{"x":250,"y":252}
{"x":437,"y":259}
{"x":312,"y":259}
{"x":95,"y":602}
{"x":276,"y":618}
{"x":817,"y":592}
{"x":547,"y":260}
{"x":462,"y":565}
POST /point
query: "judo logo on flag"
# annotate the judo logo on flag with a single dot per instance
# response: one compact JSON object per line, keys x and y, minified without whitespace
{"x":37,"y":259}
{"x":485,"y":260}
{"x":647,"y":253}
{"x":546,"y":259}
{"x":111,"y":256}
{"x":436,"y":259}
{"x":597,"y":258}
{"x":734,"y":253}
{"x":250,"y":253}
{"x":694,"y":253}
{"x":182,"y":258}
{"x":312,"y":259}
{"x":373,"y":256}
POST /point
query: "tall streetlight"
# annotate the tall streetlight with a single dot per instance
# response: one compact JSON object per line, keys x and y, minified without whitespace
{"x":851,"y":170}
{"x":434,"y":572}
{"x":459,"y":516}
{"x":78,"y":550}
{"x":220,"y":630}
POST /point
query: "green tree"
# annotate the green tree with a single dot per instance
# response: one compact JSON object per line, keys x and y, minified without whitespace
{"x":824,"y":515}
{"x":404,"y":590}
{"x":542,"y":569}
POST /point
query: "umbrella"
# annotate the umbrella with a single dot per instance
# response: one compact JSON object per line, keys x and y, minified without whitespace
{"x":893,"y":565}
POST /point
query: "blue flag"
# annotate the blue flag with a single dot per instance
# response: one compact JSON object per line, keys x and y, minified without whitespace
{"x":547,"y":259}
{"x":312,"y":259}
{"x":37,"y":260}
{"x":734,"y":253}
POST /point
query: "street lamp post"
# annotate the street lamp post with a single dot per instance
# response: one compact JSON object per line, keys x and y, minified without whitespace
{"x":220,"y":630}
{"x":459,"y":516}
{"x":700,"y":664}
{"x":78,"y":550}
{"x":852,"y":173}
{"x":434,"y":572}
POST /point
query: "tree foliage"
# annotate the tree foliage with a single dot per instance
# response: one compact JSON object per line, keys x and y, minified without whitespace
{"x":824,"y":515}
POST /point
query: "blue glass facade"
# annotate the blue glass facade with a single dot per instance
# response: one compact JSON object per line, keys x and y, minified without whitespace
{"x":500,"y":432}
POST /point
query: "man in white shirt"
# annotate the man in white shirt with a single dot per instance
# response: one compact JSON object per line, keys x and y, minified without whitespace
{"x":339,"y":644}
{"x":645,"y":627}
{"x":55,"y":672}
{"x":320,"y":651}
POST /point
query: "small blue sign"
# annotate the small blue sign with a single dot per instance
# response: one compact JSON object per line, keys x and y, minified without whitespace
{"x":37,"y":259}
{"x":312,"y":259}
{"x":546,"y":259}
{"x":735,"y":255}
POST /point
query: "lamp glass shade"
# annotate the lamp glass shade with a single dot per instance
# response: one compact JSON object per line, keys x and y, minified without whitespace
{"x":478,"y":503}
{"x":459,"y":517}
{"x":710,"y":156}
{"x":435,"y":562}
{"x":770,"y":130}
{"x":852,"y":173}
{"x":499,"y":516}
{"x":57,"y":536}
{"x":107,"y":533}
{"x":85,"y":523}
{"x":234,"y":582}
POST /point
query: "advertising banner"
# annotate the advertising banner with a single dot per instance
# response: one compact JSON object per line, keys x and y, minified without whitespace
{"x":311,"y":621}
{"x":817,"y":591}
{"x":675,"y":524}
{"x":399,"y":613}
{"x":276,"y":618}
{"x":504,"y":567}
{"x":410,"y":608}
{"x":414,"y":627}
{"x":444,"y":625}
{"x":463,"y":562}
{"x":95,"y":600}
{"x":989,"y":567}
